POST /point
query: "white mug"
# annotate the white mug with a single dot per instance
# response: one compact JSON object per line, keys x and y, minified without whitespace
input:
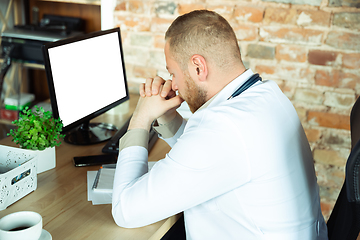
{"x":20,"y":226}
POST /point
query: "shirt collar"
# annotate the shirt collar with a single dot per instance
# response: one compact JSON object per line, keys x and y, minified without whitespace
{"x":229,"y":89}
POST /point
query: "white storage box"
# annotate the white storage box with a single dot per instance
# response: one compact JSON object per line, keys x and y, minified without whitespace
{"x":19,"y":102}
{"x":18,"y":175}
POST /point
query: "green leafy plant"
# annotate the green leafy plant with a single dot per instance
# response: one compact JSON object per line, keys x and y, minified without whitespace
{"x":37,"y":130}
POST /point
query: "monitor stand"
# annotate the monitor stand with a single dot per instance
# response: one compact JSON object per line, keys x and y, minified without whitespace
{"x":90,"y":133}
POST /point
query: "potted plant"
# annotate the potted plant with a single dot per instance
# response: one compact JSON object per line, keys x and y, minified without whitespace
{"x":38,"y":131}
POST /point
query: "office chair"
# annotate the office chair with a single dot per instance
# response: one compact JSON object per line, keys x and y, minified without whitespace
{"x":355,"y":123}
{"x":344,"y":221}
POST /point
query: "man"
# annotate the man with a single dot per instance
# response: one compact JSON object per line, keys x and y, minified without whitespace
{"x":239,"y":168}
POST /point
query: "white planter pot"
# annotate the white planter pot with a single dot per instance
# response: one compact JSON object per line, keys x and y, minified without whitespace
{"x":46,"y":159}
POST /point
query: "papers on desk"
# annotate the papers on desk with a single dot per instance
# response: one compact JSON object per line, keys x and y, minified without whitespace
{"x":100,"y":184}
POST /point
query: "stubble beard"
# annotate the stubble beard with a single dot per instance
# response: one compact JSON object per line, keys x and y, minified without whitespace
{"x":195,"y":96}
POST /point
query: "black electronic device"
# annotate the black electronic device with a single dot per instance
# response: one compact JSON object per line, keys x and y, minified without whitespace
{"x":93,"y":160}
{"x":60,"y":25}
{"x":86,"y":77}
{"x":27,"y":40}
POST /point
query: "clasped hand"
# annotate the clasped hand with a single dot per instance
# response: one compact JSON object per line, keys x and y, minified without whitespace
{"x":157,"y":101}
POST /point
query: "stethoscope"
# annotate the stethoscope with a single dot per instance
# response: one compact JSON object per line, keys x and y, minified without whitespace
{"x":251,"y":81}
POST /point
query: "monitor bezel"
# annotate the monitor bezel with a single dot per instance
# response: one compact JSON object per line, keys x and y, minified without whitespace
{"x":53,"y":99}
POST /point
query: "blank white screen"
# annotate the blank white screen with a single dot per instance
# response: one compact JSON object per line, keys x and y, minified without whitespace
{"x":87,"y":75}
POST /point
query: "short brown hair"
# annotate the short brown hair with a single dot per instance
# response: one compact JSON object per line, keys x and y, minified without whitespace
{"x":205,"y":33}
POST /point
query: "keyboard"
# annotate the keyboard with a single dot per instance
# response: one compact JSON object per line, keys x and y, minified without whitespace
{"x":112,"y":146}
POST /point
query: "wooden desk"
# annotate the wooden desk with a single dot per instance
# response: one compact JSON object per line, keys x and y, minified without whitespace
{"x":61,"y":196}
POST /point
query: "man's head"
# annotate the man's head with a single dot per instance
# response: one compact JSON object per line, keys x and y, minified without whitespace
{"x":205,"y":33}
{"x":202,"y":54}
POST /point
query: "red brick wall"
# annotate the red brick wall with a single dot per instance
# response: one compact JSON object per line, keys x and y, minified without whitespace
{"x":311,"y":48}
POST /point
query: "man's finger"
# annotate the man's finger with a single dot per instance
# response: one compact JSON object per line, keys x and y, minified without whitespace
{"x":142,"y":90}
{"x":156,"y":84}
{"x":166,"y":89}
{"x":148,"y":86}
{"x":174,"y":102}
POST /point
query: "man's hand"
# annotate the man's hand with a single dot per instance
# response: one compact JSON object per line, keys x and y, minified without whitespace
{"x":152,"y":105}
{"x":152,"y":87}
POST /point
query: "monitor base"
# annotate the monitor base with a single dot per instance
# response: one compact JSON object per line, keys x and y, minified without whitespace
{"x":90,"y":133}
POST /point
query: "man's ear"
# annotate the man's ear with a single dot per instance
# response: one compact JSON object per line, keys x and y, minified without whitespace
{"x":198,"y":68}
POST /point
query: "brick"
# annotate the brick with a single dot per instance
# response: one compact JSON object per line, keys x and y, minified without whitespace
{"x":134,"y":23}
{"x":159,"y":41}
{"x":324,"y":58}
{"x":185,"y":8}
{"x":136,"y":56}
{"x":326,"y":209}
{"x":302,"y":2}
{"x":124,"y":36}
{"x":288,"y":88}
{"x":331,"y":157}
{"x":141,"y":40}
{"x":121,"y":6}
{"x":349,"y":80}
{"x":224,"y":10}
{"x":245,"y":33}
{"x":133,"y":6}
{"x":338,"y":138}
{"x":246,"y":63}
{"x":249,"y":14}
{"x":290,"y":53}
{"x":327,"y":78}
{"x":138,"y":7}
{"x":330,"y":175}
{"x":347,"y":20}
{"x":313,"y":17}
{"x":343,"y":40}
{"x":260,"y":51}
{"x":133,"y":85}
{"x":160,"y":25}
{"x":129,"y":69}
{"x":329,"y":193}
{"x":297,"y":35}
{"x":330,"y":120}
{"x":264,"y":69}
{"x":157,"y":59}
{"x":313,"y":135}
{"x":163,"y":73}
{"x":351,"y":60}
{"x":301,"y":112}
{"x":338,"y":100}
{"x":344,"y":3}
{"x":308,"y":96}
{"x":334,"y":140}
{"x":165,"y":8}
{"x":144,"y":72}
{"x":289,"y":73}
{"x":330,"y":180}
{"x":337,"y":78}
{"x":280,"y":15}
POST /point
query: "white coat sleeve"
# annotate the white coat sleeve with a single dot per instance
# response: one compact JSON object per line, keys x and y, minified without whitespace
{"x":197,"y":166}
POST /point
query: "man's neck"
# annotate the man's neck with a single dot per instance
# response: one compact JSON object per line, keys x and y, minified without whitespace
{"x":223,"y":79}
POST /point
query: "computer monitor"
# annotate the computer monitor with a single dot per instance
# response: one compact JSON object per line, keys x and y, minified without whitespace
{"x":86,"y":77}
